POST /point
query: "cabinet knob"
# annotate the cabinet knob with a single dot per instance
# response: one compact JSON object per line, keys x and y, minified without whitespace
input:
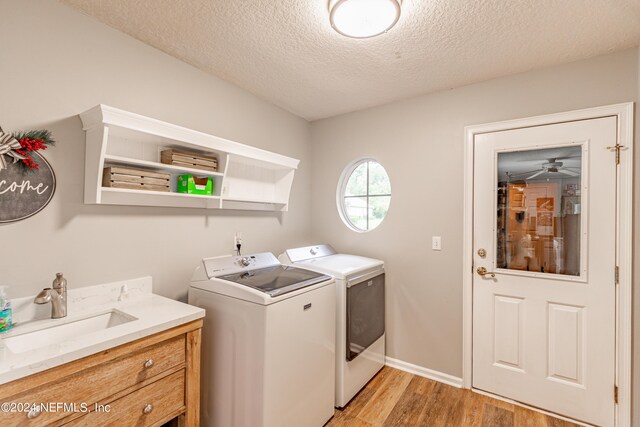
{"x":148,"y":408}
{"x":148,"y":363}
{"x":34,"y":413}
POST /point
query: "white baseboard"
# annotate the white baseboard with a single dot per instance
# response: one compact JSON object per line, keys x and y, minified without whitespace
{"x":424,"y":372}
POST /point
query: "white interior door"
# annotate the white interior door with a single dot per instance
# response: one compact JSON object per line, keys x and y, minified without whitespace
{"x":544,"y":227}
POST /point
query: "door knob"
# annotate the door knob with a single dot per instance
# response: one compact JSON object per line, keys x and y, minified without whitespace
{"x":483,"y":272}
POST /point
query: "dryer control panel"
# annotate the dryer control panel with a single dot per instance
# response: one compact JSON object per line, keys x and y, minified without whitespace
{"x":309,"y":252}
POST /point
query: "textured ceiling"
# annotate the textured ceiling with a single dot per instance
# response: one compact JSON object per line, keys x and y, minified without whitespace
{"x":285,"y":51}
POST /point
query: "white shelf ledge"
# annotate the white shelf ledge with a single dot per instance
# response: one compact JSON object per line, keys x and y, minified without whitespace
{"x":125,"y":196}
{"x":247,"y":200}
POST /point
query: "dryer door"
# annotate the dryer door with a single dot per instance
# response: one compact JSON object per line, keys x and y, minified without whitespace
{"x":365,"y":314}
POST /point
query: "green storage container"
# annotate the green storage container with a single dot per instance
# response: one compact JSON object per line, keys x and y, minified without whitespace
{"x":191,"y":185}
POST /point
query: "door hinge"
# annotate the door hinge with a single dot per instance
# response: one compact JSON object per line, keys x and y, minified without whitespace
{"x":616,"y":147}
{"x":615,"y":394}
{"x":617,"y":275}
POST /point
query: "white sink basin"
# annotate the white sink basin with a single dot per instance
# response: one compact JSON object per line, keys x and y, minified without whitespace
{"x":58,"y":333}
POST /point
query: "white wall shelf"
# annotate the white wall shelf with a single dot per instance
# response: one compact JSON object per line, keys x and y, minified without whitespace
{"x":248,"y":178}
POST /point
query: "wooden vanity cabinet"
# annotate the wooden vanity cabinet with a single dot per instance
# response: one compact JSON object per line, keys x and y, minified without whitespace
{"x":147,"y":382}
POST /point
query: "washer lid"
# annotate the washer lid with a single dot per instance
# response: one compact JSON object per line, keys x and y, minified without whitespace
{"x":276,"y":280}
{"x":342,"y":266}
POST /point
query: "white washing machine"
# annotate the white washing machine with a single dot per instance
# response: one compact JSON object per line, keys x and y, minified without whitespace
{"x":268,"y":341}
{"x":360,"y":313}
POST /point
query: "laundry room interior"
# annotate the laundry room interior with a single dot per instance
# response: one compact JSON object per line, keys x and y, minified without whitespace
{"x":258,"y":214}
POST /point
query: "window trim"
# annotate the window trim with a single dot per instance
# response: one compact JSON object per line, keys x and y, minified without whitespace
{"x":342,"y":187}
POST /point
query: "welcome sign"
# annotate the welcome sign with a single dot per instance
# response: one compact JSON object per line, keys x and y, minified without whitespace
{"x":24,"y":194}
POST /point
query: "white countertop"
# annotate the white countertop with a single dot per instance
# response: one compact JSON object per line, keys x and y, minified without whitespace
{"x":152,"y":314}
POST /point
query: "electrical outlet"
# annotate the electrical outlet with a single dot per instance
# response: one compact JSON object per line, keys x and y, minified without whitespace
{"x":436,"y":243}
{"x":237,"y":239}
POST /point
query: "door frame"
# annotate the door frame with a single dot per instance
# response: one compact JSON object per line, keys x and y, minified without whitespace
{"x":624,"y":240}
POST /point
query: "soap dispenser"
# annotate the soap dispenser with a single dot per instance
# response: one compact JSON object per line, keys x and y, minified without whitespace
{"x":6,"y":312}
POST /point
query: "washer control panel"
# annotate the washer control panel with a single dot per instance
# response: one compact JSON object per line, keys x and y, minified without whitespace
{"x":221,"y":266}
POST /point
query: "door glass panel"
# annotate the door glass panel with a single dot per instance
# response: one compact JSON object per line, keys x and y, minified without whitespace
{"x":539,"y":209}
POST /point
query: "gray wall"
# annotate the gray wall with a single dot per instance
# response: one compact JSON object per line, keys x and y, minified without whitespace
{"x":57,"y":63}
{"x":420,"y":143}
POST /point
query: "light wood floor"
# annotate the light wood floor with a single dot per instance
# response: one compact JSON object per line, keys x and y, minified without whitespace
{"x":397,"y":398}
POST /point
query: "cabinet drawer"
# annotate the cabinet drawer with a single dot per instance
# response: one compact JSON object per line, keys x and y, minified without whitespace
{"x":162,"y":399}
{"x":99,"y":382}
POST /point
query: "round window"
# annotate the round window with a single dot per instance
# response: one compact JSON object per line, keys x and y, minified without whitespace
{"x":364,"y":194}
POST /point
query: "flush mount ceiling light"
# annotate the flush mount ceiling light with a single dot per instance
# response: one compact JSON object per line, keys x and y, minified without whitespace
{"x":361,"y":19}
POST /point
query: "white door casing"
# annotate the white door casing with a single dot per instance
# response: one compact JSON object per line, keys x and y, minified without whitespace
{"x":624,"y":113}
{"x":548,"y":340}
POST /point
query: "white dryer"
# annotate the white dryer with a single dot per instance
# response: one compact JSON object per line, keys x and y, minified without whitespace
{"x":267,"y":342}
{"x":360,"y":313}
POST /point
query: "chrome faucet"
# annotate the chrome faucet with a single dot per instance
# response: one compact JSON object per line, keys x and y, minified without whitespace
{"x":56,"y":295}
